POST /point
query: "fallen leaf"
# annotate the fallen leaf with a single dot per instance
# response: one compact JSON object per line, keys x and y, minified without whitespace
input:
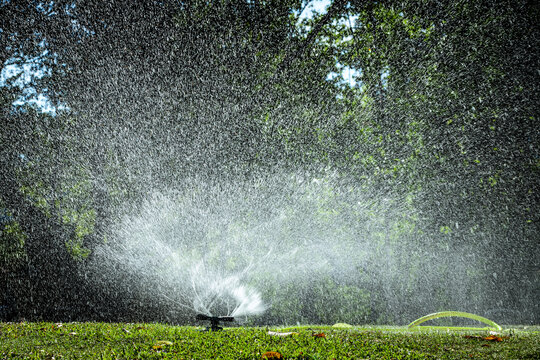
{"x":161,"y":344}
{"x":493,"y":338}
{"x":275,"y":333}
{"x":319,"y":335}
{"x":164,"y":342}
{"x":272,"y":355}
{"x":487,"y":338}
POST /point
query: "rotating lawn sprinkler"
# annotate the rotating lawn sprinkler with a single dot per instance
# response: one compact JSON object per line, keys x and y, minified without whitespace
{"x":214,"y":321}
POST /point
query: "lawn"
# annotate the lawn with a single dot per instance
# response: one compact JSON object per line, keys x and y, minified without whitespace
{"x":155,"y":341}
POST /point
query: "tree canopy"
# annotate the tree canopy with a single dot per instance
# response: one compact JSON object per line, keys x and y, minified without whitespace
{"x":439,"y":128}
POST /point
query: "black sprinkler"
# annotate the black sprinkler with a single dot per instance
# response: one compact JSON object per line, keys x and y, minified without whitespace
{"x":214,"y":321}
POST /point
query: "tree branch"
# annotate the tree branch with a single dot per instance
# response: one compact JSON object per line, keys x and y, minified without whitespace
{"x":336,"y":6}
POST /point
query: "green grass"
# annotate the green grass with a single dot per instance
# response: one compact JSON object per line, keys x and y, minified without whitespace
{"x":155,"y":341}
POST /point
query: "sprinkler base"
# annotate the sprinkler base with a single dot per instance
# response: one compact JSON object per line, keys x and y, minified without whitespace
{"x":214,"y":321}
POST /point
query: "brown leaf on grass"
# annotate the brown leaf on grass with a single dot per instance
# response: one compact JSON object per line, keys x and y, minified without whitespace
{"x":272,"y":355}
{"x":319,"y":335}
{"x":493,"y":338}
{"x":487,"y":338}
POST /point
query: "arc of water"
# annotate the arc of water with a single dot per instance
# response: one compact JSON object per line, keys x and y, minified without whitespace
{"x":177,"y":302}
{"x":196,"y":294}
{"x":213,"y":298}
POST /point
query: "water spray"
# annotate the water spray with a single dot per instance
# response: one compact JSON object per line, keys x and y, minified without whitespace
{"x":214,"y":321}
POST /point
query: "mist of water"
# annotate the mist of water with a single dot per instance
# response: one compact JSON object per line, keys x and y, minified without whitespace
{"x":211,"y":249}
{"x":243,"y":247}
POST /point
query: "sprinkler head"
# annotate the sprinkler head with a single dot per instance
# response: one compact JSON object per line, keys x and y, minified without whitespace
{"x":214,"y":321}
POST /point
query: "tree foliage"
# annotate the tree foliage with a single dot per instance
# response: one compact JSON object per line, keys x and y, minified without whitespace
{"x":441,"y":125}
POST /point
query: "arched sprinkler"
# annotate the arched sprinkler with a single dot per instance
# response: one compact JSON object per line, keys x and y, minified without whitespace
{"x":214,"y":321}
{"x":492,"y":325}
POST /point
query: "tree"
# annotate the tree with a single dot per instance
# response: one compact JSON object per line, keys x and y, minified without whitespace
{"x":157,"y":95}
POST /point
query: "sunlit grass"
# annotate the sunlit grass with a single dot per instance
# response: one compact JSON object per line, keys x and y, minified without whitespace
{"x":153,"y":341}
